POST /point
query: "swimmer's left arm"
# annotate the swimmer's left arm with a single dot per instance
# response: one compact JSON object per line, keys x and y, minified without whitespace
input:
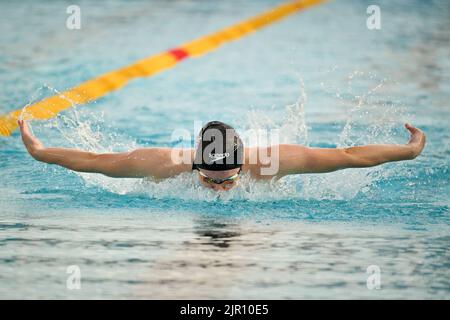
{"x":295,"y":159}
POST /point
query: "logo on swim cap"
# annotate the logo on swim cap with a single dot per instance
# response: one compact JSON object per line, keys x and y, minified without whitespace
{"x":218,"y":156}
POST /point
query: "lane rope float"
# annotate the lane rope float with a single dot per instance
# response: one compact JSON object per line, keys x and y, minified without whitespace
{"x":93,"y":89}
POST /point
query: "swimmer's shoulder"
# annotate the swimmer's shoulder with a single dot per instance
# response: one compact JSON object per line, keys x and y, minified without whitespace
{"x":257,"y":158}
{"x":165,"y":162}
{"x":177,"y":160}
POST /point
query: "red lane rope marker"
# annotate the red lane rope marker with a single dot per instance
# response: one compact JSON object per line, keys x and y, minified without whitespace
{"x":179,"y":53}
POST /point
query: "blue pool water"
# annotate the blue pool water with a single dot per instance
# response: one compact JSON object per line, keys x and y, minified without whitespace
{"x":320,"y":75}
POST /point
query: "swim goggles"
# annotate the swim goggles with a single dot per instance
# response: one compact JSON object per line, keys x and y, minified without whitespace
{"x":228,"y":180}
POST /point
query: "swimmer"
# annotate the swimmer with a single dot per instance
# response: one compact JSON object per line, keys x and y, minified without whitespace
{"x":220,"y":158}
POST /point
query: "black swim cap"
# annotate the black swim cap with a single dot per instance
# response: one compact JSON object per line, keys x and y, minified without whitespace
{"x":218,"y":148}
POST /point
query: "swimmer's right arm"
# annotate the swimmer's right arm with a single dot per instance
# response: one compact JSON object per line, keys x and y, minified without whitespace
{"x":148,"y":162}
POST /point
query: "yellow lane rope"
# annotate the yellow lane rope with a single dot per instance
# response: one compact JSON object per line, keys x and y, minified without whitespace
{"x":102,"y":85}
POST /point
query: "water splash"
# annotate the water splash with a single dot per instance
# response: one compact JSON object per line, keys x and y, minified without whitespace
{"x":293,"y":125}
{"x":370,"y":119}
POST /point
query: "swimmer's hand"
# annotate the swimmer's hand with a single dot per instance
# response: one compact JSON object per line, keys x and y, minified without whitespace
{"x":33,"y":145}
{"x":417,"y":140}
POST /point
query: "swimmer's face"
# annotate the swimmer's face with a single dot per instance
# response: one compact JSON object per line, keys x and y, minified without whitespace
{"x":206,"y":179}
